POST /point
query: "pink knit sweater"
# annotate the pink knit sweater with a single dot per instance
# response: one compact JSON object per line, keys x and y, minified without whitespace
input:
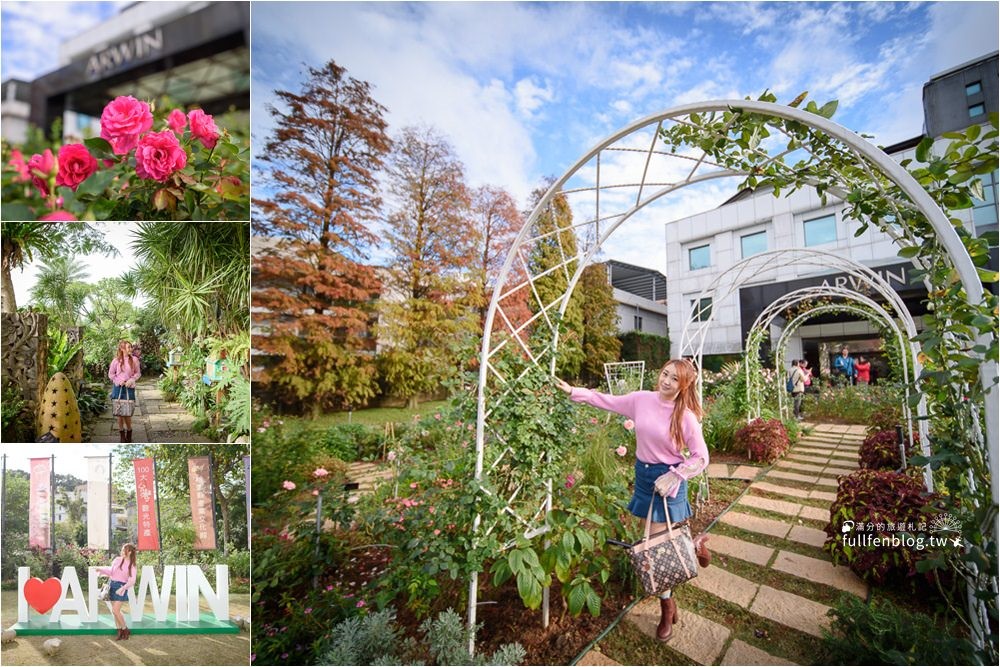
{"x":120,"y":571}
{"x":651,"y":415}
{"x":119,"y":374}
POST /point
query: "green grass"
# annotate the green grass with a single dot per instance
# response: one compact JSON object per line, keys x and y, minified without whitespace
{"x":810,"y":502}
{"x":371,"y":416}
{"x":628,"y":645}
{"x":772,"y":542}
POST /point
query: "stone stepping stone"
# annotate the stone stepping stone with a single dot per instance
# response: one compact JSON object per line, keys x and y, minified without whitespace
{"x":822,"y":495}
{"x":594,"y":657}
{"x":794,"y":476}
{"x":779,"y":506}
{"x":814,"y":513}
{"x":784,"y":490}
{"x":807,"y":458}
{"x":838,"y":471}
{"x":718,"y":470}
{"x":725,"y":585}
{"x":741,"y":653}
{"x":792,"y":610}
{"x":814,"y":537}
{"x":801,"y":467}
{"x":820,"y":571}
{"x":746,"y":472}
{"x":827,"y":481}
{"x":696,"y":637}
{"x":748,"y":551}
{"x":756,"y":524}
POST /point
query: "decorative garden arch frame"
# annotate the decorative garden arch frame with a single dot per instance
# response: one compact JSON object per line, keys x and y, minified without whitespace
{"x":652,"y":175}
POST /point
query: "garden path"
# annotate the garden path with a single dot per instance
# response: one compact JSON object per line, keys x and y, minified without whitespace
{"x":155,"y":419}
{"x":764,"y":599}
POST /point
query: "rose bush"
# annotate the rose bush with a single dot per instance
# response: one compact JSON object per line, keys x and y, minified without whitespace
{"x":145,"y":165}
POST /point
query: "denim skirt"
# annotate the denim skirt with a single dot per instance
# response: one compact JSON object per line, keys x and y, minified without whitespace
{"x":122,"y":392}
{"x":645,"y":476}
{"x":114,"y":595}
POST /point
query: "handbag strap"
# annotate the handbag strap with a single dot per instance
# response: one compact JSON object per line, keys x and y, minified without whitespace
{"x":649,"y":516}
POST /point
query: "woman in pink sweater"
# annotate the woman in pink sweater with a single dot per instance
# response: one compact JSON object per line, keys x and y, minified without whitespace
{"x":666,"y":423}
{"x":124,"y":372}
{"x":122,"y":573}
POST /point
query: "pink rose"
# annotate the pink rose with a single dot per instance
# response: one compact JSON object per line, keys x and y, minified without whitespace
{"x":75,"y":165}
{"x":40,"y":167}
{"x":288,"y":485}
{"x":629,"y":424}
{"x":570,"y":481}
{"x":177,"y":121}
{"x":203,"y":128}
{"x":17,"y":161}
{"x":158,"y":156}
{"x":320,"y":472}
{"x":122,"y":121}
{"x":621,"y":451}
{"x":58,"y":216}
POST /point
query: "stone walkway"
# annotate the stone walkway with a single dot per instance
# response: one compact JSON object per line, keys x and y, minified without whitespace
{"x":366,"y":474}
{"x":155,"y":419}
{"x":773,"y":534}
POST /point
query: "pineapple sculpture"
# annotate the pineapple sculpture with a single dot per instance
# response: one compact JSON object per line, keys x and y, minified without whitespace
{"x":59,"y":415}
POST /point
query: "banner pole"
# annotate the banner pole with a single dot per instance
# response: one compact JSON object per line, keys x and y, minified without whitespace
{"x":52,"y":507}
{"x":211,"y":489}
{"x":3,"y":498}
{"x":156,"y":490}
{"x":111,"y":510}
{"x":246,"y":484}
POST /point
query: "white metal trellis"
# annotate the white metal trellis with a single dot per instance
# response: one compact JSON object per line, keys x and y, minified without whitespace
{"x":624,"y":376}
{"x":636,"y":171}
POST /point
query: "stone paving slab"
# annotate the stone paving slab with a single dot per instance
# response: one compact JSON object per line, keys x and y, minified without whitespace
{"x":827,"y":481}
{"x":807,"y":458}
{"x":741,"y":653}
{"x":822,"y":495}
{"x":777,"y":488}
{"x":794,"y":476}
{"x":814,"y":513}
{"x":725,"y":585}
{"x":746,"y":472}
{"x":779,"y":506}
{"x":814,"y":537}
{"x":820,"y":571}
{"x":836,"y":470}
{"x":595,"y":658}
{"x":696,"y":637}
{"x":755,"y":524}
{"x":748,"y":551}
{"x":792,"y":610}
{"x":800,"y":467}
{"x":719,"y":470}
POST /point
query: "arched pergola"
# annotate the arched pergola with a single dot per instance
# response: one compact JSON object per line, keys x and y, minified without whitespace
{"x":615,"y":181}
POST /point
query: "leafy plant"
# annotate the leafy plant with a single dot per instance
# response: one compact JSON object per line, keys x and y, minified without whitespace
{"x":880,"y":451}
{"x":61,"y":351}
{"x":16,"y":427}
{"x":882,"y":633}
{"x":764,"y":439}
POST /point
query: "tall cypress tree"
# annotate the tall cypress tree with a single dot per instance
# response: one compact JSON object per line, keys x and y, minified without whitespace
{"x":600,"y":322}
{"x":313,"y":290}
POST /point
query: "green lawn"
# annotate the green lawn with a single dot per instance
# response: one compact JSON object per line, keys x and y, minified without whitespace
{"x":372,"y":416}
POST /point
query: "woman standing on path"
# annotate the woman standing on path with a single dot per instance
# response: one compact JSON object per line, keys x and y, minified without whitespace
{"x":863,"y":368}
{"x":122,"y":573}
{"x":666,"y":422}
{"x":124,"y":372}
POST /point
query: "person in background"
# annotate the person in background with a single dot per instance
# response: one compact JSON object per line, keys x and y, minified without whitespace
{"x":797,"y":378}
{"x":807,"y":372}
{"x":844,"y":364}
{"x":666,"y":423}
{"x":863,"y":370}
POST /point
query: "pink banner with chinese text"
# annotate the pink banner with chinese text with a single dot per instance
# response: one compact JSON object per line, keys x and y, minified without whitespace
{"x":202,"y":510}
{"x":145,"y":499}
{"x":40,"y":504}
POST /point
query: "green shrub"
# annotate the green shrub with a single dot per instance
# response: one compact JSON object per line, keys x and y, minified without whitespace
{"x":639,"y":346}
{"x":765,"y":440}
{"x":890,"y":512}
{"x":17,"y":427}
{"x":92,"y":399}
{"x":880,"y":451}
{"x":351,"y":442}
{"x":722,"y":421}
{"x":881,"y":633}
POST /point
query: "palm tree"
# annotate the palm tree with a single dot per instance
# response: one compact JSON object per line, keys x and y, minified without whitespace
{"x":60,"y":289}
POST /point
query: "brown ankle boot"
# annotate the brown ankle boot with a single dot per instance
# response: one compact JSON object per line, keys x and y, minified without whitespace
{"x":121,"y":435}
{"x":128,"y":633}
{"x":128,"y":435}
{"x":701,"y":551}
{"x":668,"y":617}
{"x":121,"y":635}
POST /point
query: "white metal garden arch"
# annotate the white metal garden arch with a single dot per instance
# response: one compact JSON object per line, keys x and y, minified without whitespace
{"x":635,"y":172}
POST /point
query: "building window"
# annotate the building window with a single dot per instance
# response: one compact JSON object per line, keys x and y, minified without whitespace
{"x":973,"y":88}
{"x":977,"y":110}
{"x":699,"y":258}
{"x":984,"y":211}
{"x":820,"y":230}
{"x":701,"y":310}
{"x":753,"y":244}
{"x":636,"y":323}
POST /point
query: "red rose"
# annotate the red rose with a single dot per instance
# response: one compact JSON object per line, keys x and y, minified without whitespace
{"x":40,"y":167}
{"x":122,"y":121}
{"x":203,"y":128}
{"x":159,"y":155}
{"x":75,"y":165}
{"x":177,"y":121}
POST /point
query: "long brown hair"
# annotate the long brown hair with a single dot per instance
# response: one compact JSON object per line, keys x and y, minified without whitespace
{"x":129,"y":550}
{"x":686,"y":399}
{"x":124,"y":362}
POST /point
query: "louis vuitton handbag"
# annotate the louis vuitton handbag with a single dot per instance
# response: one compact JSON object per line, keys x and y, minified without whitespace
{"x":122,"y":406}
{"x":666,"y":559}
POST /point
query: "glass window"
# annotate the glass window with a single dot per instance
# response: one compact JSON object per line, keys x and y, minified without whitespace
{"x":701,"y":310}
{"x":820,"y":230}
{"x":753,"y":244}
{"x":973,"y":88}
{"x":976,"y":110}
{"x":699,"y":258}
{"x":637,"y":323}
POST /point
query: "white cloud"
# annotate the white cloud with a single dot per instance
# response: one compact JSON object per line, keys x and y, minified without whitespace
{"x":530,"y":96}
{"x":962,"y":31}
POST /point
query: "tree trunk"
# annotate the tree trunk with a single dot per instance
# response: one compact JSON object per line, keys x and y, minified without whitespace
{"x":8,"y":302}
{"x":412,"y":403}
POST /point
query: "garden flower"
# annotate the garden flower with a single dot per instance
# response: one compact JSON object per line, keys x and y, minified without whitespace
{"x":203,"y":128}
{"x":261,"y":429}
{"x":315,"y":492}
{"x":288,"y":484}
{"x":593,"y":420}
{"x":570,"y":481}
{"x":58,"y":216}
{"x":123,"y":120}
{"x":621,"y":451}
{"x":76,"y":164}
{"x":308,"y":610}
{"x":360,"y":604}
{"x":320,"y":472}
{"x":40,"y":167}
{"x":158,"y":156}
{"x":437,"y":416}
{"x":391,"y":456}
{"x":177,"y":121}
{"x":629,"y":425}
{"x":17,"y":161}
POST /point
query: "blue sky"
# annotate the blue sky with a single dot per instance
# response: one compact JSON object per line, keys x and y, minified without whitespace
{"x":523,"y":90}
